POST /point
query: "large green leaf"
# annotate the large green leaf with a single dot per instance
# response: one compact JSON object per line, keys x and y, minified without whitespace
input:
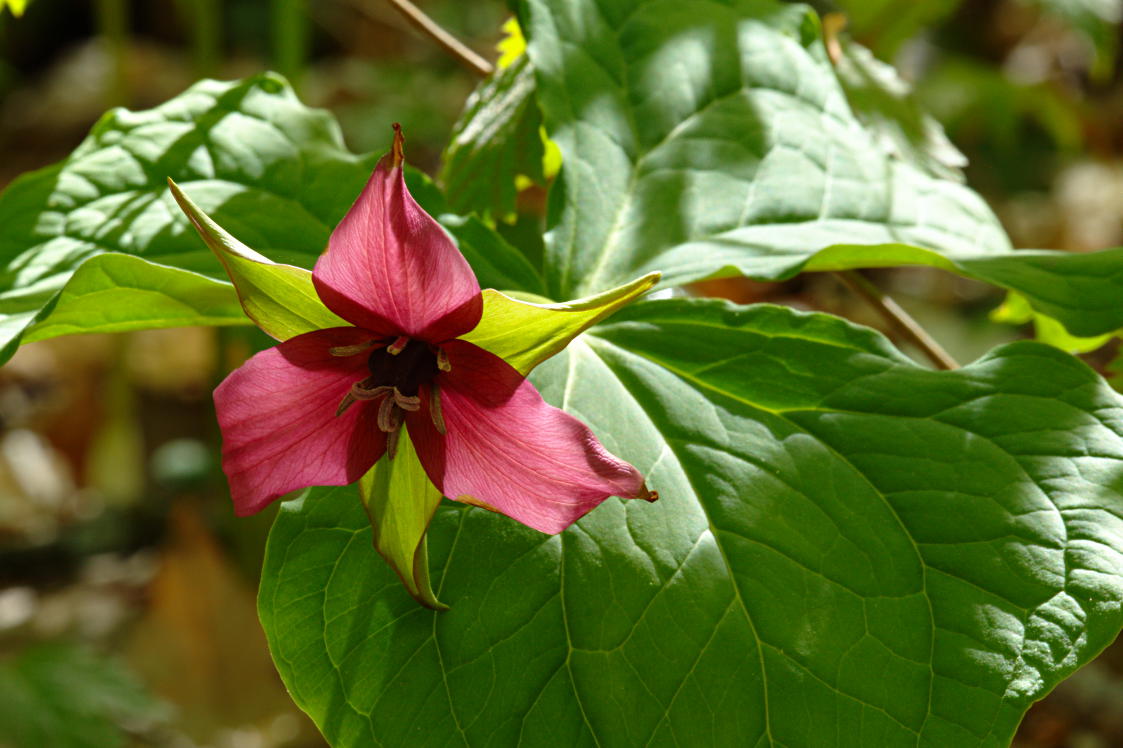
{"x":268,"y":170}
{"x":885,"y":104}
{"x":704,"y":138}
{"x":849,"y":550}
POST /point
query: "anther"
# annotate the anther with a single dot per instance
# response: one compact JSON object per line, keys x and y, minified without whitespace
{"x":435,"y":408}
{"x":344,"y":404}
{"x":407,"y":402}
{"x":398,"y":345}
{"x":351,"y":350}
{"x":360,"y":392}
{"x":442,"y":360}
{"x":389,"y":415}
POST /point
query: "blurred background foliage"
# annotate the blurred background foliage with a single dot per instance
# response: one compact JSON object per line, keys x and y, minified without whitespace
{"x":126,"y":586}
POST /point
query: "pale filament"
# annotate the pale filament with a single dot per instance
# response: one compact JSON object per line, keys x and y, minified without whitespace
{"x":353,"y":350}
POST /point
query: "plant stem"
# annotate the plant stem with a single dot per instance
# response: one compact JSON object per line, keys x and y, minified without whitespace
{"x":113,"y":27}
{"x":450,"y":43}
{"x":897,"y":317}
{"x":290,"y":37}
{"x":206,"y":36}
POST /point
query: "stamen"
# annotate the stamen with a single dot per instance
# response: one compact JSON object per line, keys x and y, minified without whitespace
{"x":389,"y":415}
{"x":392,"y":443}
{"x":351,"y":350}
{"x":435,"y":408}
{"x":407,"y":402}
{"x":344,"y":404}
{"x":398,"y":345}
{"x":442,"y":360}
{"x":360,"y":392}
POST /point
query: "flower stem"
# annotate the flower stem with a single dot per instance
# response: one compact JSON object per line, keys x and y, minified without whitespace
{"x":291,"y":37}
{"x":206,"y":36}
{"x":450,"y":43}
{"x":113,"y":27}
{"x":897,"y":317}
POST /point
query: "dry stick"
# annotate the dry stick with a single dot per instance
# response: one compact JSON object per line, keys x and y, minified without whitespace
{"x":897,"y":317}
{"x":451,"y":44}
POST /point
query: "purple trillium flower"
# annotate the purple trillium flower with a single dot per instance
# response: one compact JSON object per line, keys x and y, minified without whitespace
{"x":323,"y":407}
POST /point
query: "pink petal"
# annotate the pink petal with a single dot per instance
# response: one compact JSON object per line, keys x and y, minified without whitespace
{"x":279,"y":428}
{"x":507,"y":450}
{"x":391,"y":268}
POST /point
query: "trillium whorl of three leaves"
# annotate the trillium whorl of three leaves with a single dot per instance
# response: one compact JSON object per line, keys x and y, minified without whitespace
{"x":907,"y":556}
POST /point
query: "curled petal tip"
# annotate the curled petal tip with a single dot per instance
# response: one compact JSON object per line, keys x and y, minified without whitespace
{"x":651,"y":495}
{"x":398,"y":149}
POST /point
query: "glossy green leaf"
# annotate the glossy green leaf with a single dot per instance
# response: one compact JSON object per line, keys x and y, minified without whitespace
{"x":400,"y":501}
{"x":525,"y":334}
{"x":267,"y":168}
{"x":707,"y":139}
{"x":849,"y":550}
{"x":280,"y":299}
{"x":884,"y":103}
{"x":495,"y":140}
{"x":118,"y":293}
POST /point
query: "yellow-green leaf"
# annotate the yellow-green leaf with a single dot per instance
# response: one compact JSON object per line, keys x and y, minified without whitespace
{"x":18,"y":6}
{"x":512,"y":46}
{"x":1017,"y":310}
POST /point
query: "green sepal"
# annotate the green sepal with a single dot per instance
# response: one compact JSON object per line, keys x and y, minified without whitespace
{"x":279,"y":298}
{"x":525,"y":334}
{"x":400,"y":501}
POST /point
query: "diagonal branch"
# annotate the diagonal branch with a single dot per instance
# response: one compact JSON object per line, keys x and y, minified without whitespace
{"x":897,"y":317}
{"x":447,"y":41}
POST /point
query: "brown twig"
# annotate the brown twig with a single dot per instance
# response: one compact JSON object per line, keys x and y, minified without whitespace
{"x":897,"y":317}
{"x":450,"y":43}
